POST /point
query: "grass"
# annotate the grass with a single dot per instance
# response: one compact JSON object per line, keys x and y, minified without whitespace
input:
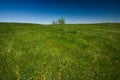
{"x":59,"y":52}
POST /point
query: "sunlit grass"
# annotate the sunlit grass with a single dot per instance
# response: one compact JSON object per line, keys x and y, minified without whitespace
{"x":59,"y":52}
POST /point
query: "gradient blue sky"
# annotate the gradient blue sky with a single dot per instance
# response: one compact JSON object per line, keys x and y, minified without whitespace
{"x":45,"y":11}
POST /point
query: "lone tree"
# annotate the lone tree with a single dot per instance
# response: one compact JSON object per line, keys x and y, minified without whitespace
{"x":61,"y":21}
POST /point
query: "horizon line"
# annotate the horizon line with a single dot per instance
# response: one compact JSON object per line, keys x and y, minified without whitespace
{"x":56,"y":24}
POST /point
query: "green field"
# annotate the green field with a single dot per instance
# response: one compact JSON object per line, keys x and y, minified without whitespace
{"x":59,"y":52}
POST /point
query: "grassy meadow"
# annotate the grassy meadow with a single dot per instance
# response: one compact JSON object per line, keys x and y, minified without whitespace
{"x":59,"y":52}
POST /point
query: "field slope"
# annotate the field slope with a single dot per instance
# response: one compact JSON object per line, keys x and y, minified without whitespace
{"x":59,"y":52}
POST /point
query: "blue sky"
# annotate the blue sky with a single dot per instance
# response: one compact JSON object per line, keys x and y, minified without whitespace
{"x":45,"y":11}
